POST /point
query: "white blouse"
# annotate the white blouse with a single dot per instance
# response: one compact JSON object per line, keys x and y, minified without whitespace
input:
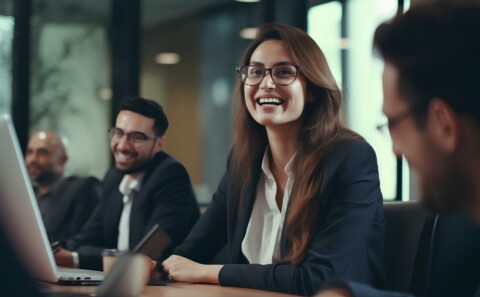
{"x":261,"y":244}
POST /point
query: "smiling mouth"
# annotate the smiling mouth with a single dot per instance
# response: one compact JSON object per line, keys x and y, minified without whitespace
{"x":123,"y":157}
{"x":269,"y":101}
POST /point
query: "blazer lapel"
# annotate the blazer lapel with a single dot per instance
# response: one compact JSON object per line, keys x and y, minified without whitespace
{"x":112,"y":216}
{"x":136,"y":226}
{"x":244,"y":217}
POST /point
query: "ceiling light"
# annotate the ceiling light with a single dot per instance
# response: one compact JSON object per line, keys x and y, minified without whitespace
{"x":167,"y":58}
{"x":248,"y":1}
{"x":105,"y":93}
{"x":249,"y":33}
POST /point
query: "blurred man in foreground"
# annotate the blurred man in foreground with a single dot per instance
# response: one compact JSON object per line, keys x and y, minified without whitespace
{"x":432,"y":102}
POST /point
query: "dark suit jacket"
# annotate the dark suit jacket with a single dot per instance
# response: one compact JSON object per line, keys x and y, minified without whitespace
{"x":363,"y":290}
{"x":349,"y":240}
{"x":166,"y":197}
{"x":446,"y":266}
{"x":69,"y":205}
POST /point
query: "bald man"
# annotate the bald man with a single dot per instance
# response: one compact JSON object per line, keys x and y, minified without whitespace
{"x":66,"y":203}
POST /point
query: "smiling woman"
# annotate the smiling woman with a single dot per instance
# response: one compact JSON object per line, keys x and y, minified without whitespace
{"x":300,"y":202}
{"x":268,"y":104}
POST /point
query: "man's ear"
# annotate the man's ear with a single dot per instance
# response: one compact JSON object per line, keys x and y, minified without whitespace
{"x":159,"y":143}
{"x":65,"y":159}
{"x":62,"y":159}
{"x":443,"y":124}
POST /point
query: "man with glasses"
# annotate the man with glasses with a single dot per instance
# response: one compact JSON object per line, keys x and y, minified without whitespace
{"x":432,"y":100}
{"x":145,"y":188}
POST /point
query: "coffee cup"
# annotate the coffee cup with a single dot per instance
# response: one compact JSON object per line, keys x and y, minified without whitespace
{"x":109,"y":257}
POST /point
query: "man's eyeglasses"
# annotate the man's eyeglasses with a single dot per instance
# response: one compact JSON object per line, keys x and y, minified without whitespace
{"x":395,"y":120}
{"x":281,"y":75}
{"x":133,"y":137}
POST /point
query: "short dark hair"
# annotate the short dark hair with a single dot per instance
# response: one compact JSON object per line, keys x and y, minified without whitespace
{"x":148,"y":108}
{"x":436,"y":50}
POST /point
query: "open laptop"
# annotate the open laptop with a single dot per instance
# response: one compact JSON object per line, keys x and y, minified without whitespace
{"x":126,"y":278}
{"x":20,"y":215}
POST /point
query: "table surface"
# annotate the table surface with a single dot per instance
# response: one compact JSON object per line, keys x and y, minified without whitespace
{"x":181,"y":289}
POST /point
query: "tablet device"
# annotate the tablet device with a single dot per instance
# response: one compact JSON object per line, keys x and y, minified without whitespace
{"x":154,"y":243}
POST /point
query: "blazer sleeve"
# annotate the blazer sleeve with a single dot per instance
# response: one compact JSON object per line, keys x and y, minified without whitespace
{"x":175,"y":206}
{"x":88,"y":243}
{"x":91,"y":235}
{"x":362,"y":290}
{"x":86,"y":200}
{"x":353,"y":197}
{"x":209,"y":235}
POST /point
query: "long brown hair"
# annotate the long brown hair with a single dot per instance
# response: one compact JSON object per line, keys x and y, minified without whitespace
{"x":322,"y":126}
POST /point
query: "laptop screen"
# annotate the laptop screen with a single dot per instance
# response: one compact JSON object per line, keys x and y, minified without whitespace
{"x":19,"y":213}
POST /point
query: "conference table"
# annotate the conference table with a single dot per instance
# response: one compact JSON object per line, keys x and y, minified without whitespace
{"x":180,"y":290}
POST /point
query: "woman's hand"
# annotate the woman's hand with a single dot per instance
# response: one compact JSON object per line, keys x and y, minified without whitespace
{"x":184,"y":270}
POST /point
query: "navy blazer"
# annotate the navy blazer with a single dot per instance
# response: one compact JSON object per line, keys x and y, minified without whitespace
{"x":349,"y":241}
{"x":166,"y":197}
{"x":362,"y":290}
{"x":446,"y":263}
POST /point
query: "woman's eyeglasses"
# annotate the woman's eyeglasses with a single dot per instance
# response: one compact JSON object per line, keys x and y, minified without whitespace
{"x":282,"y":75}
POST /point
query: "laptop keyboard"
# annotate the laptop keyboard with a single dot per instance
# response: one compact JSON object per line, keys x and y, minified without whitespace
{"x":73,"y":274}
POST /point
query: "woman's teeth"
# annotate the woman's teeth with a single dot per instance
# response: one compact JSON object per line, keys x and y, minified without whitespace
{"x":273,"y":101}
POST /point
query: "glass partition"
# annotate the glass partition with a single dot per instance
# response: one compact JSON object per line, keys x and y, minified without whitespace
{"x":365,"y":95}
{"x":324,"y":25}
{"x":70,"y":79}
{"x":361,"y":80}
{"x":188,"y":65}
{"x":7,"y":23}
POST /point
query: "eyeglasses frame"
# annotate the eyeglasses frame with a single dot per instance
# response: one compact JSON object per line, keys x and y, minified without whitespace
{"x":111,"y":133}
{"x":269,"y":69}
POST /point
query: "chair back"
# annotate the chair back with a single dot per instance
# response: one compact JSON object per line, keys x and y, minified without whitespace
{"x":406,"y":224}
{"x":454,"y":257}
{"x":431,"y":255}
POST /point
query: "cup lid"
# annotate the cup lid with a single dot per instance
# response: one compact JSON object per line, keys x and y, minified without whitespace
{"x":110,"y":252}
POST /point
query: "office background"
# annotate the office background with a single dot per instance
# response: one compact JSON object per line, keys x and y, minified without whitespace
{"x":66,"y":64}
